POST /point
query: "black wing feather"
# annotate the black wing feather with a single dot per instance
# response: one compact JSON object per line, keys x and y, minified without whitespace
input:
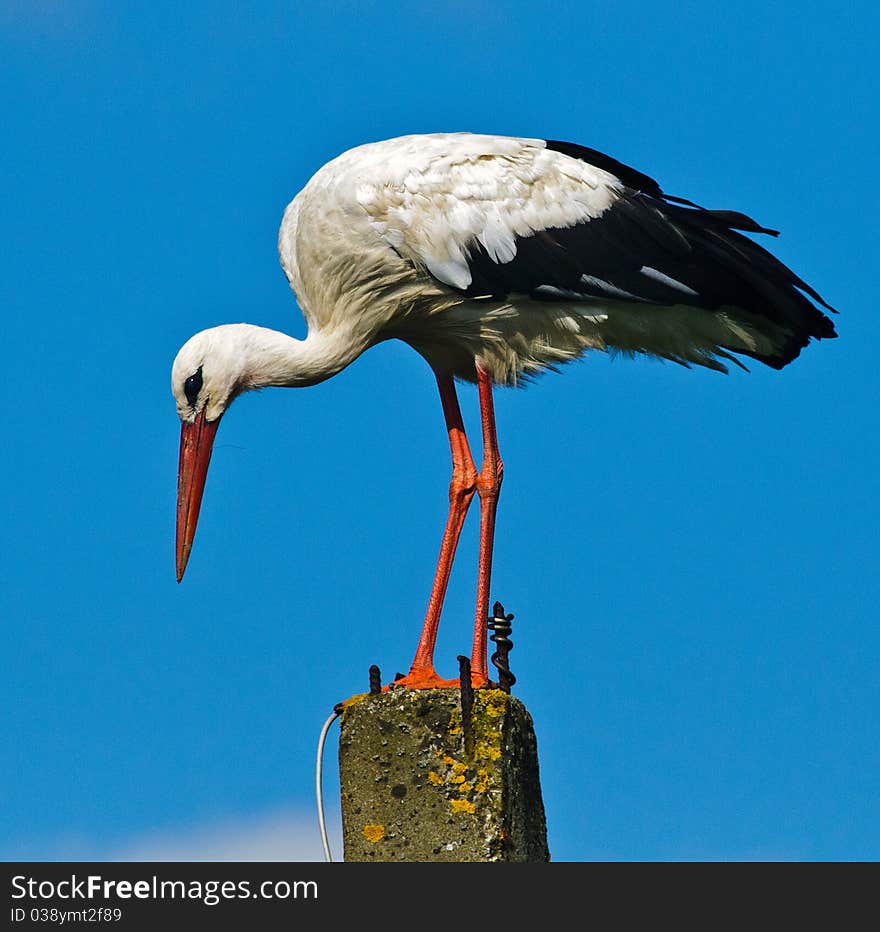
{"x":636,"y":180}
{"x":644,"y":240}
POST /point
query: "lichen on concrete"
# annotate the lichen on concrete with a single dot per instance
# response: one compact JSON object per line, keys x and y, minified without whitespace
{"x":406,"y":766}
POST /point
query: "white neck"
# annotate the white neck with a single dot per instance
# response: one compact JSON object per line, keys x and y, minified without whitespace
{"x":272,"y":358}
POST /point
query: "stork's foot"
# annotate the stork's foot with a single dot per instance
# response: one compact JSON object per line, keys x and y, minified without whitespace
{"x":427,"y":678}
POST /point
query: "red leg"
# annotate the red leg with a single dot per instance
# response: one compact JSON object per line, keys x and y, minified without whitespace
{"x":461,"y":491}
{"x":489,"y":489}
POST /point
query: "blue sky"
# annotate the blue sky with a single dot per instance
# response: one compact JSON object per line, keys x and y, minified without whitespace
{"x":692,"y":558}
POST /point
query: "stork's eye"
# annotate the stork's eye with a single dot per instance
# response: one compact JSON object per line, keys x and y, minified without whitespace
{"x":192,"y":386}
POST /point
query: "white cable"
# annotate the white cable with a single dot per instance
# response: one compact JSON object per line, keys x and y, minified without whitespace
{"x":319,"y":794}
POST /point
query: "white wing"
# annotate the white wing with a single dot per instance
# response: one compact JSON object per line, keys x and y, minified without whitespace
{"x":435,"y":202}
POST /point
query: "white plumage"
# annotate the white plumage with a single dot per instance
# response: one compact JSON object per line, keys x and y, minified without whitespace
{"x":432,"y":198}
{"x":415,"y":205}
{"x":494,"y":257}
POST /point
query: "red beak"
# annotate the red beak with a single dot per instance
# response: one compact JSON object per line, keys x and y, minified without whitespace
{"x":196,"y":443}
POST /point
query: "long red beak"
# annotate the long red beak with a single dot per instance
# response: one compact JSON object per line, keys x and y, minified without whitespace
{"x":196,"y":443}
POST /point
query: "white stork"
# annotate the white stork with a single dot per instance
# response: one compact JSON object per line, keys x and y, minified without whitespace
{"x":494,"y":258}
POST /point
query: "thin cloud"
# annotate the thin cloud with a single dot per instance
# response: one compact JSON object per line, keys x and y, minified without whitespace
{"x":286,"y":835}
{"x":279,"y":835}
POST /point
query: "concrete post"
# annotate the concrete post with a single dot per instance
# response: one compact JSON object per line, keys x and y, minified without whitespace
{"x":421,"y":781}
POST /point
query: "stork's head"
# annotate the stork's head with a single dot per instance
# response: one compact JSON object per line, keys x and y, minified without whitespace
{"x":208,"y":373}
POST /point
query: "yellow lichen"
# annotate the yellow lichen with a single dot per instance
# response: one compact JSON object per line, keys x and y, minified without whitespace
{"x":374,"y":833}
{"x":435,"y":778}
{"x":353,"y":701}
{"x":482,"y":783}
{"x":464,"y":789}
{"x":457,"y":778}
{"x":459,"y":768}
{"x":494,"y":702}
{"x":489,"y":751}
{"x":462,"y":805}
